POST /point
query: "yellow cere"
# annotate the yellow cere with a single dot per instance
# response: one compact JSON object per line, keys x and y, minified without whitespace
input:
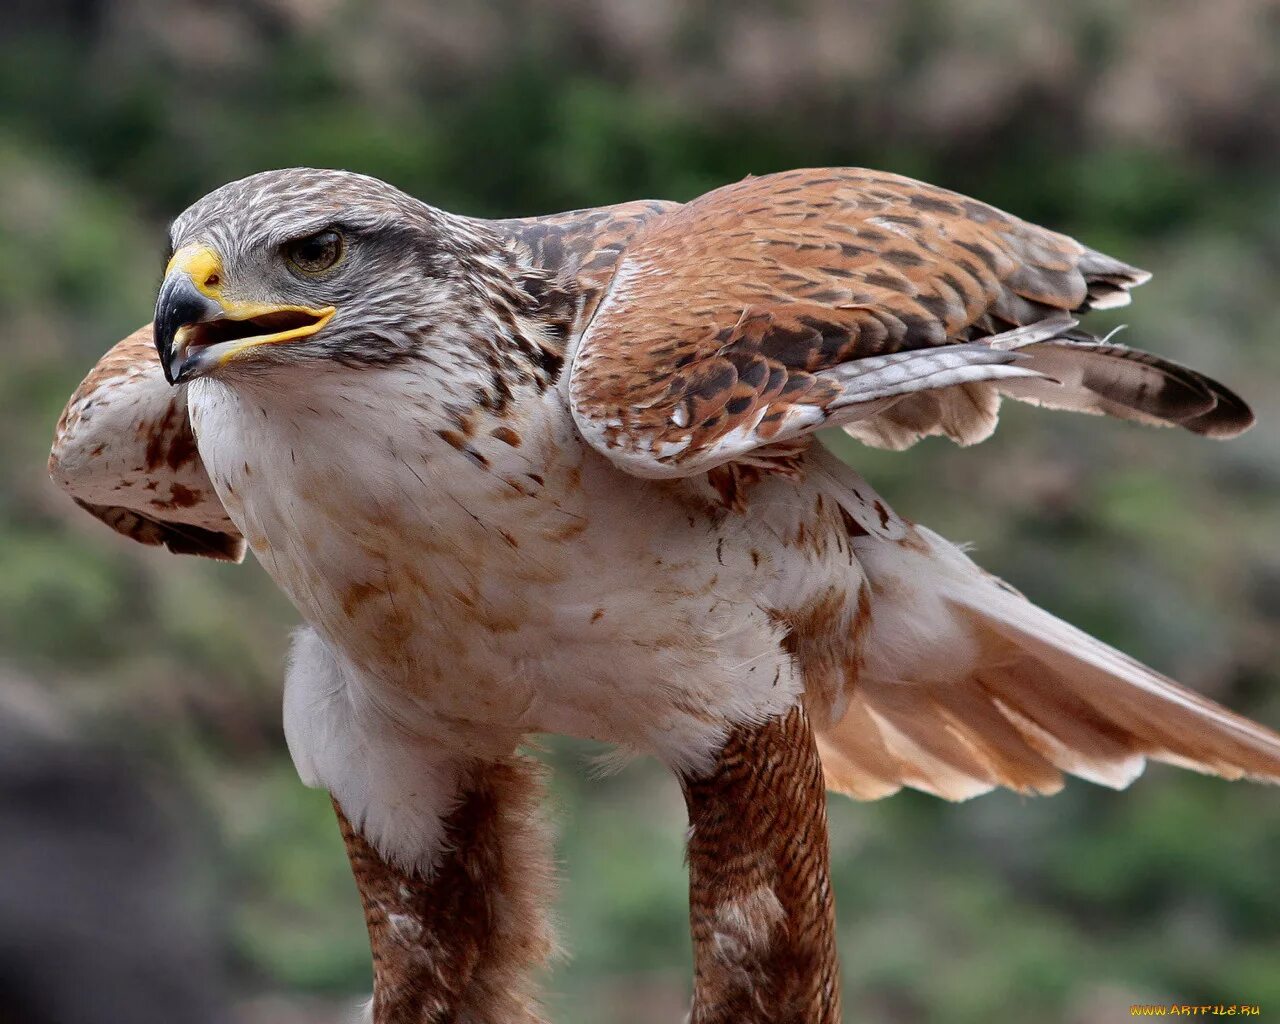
{"x":202,"y":265}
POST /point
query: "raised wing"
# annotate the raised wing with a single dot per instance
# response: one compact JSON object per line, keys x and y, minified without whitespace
{"x":125,"y":452}
{"x":779,"y":305}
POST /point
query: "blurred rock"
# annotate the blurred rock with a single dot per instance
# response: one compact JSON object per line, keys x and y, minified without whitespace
{"x":95,"y":924}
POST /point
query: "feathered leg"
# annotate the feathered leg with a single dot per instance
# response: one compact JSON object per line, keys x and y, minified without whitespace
{"x":464,"y":943}
{"x":760,"y":902}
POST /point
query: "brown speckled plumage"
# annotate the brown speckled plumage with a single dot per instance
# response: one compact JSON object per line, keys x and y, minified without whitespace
{"x":760,"y":901}
{"x":463,"y":944}
{"x":576,"y":255}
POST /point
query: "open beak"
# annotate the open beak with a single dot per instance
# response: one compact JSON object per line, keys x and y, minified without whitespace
{"x":198,"y":328}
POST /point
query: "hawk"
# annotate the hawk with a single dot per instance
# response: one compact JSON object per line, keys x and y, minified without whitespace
{"x":559,"y":475}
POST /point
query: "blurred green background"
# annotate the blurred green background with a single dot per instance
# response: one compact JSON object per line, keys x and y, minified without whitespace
{"x":1151,"y":129}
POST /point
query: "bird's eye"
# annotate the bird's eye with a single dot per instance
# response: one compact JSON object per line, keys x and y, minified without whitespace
{"x":316,"y":253}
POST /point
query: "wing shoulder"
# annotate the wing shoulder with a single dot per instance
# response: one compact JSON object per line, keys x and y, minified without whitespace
{"x":573,"y":256}
{"x":124,"y":450}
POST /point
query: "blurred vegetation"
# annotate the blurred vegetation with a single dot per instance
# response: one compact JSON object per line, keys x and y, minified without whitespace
{"x":1148,"y":128}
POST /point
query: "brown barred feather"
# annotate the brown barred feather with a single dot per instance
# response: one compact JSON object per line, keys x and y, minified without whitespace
{"x":576,"y":254}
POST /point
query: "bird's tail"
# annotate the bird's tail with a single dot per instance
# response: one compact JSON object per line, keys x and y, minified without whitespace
{"x":966,"y":685}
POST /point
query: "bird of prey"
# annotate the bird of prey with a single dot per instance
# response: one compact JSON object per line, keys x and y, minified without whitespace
{"x":559,"y":475}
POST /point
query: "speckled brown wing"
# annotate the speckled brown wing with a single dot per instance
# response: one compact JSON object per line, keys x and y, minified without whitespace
{"x":778,"y":305}
{"x":577,"y":253}
{"x":124,"y":450}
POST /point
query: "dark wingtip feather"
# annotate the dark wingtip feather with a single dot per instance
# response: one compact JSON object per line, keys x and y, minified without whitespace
{"x":182,"y":539}
{"x":1230,"y":417}
{"x":1108,"y":280}
{"x":179,"y":538}
{"x":1132,"y":384}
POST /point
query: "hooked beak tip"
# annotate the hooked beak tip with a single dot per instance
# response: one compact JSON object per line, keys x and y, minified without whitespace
{"x":180,"y":304}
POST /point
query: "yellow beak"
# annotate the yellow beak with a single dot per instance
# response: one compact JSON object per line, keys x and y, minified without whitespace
{"x":198,"y":327}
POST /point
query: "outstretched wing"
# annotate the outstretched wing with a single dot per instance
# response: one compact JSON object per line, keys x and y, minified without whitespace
{"x":125,"y":452}
{"x":782,"y":304}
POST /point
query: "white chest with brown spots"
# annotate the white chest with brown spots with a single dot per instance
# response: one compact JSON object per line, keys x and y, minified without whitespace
{"x":507,"y":578}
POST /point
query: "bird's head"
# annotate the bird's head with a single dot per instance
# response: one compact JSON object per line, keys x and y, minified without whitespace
{"x":304,"y":264}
